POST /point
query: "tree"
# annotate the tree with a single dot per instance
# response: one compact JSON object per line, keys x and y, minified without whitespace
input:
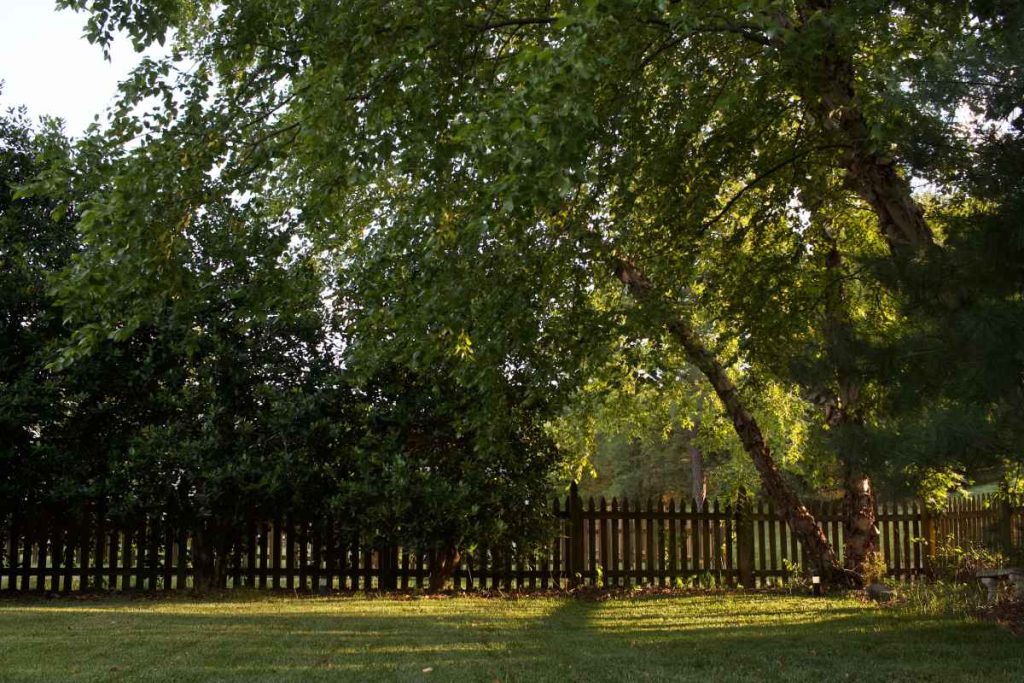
{"x":54,"y":428}
{"x":428,"y":477}
{"x":646,"y":424}
{"x":217,"y":408}
{"x":32,"y":246}
{"x":634,"y":136}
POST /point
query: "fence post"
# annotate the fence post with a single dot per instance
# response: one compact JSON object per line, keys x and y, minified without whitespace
{"x":1005,"y":527}
{"x":389,"y":568}
{"x":930,"y":537}
{"x":745,"y":540}
{"x":575,"y":536}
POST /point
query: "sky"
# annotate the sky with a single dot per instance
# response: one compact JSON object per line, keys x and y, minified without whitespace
{"x":48,"y":66}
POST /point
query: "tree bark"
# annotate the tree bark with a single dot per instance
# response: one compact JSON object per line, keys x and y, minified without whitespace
{"x":800,"y":520}
{"x":872,"y":175}
{"x":829,"y":89}
{"x":443,"y":566}
{"x":204,"y":565}
{"x":842,"y":409}
{"x":859,"y":525}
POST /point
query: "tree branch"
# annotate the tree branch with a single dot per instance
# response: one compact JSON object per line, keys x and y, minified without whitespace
{"x":515,"y":22}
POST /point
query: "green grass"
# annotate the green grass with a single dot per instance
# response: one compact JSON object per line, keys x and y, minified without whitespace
{"x":712,"y":637}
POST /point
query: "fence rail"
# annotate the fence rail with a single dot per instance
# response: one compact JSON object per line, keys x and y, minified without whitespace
{"x":616,"y":543}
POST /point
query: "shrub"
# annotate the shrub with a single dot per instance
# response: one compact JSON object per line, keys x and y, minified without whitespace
{"x":873,"y":569}
{"x":954,"y":562}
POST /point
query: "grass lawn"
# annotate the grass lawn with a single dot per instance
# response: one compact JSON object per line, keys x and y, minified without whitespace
{"x":707,"y":638}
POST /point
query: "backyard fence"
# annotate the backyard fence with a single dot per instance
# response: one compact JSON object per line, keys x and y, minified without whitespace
{"x":620,"y":543}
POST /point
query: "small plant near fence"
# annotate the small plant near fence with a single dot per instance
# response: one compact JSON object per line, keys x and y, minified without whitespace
{"x":874,"y":570}
{"x":955,"y":561}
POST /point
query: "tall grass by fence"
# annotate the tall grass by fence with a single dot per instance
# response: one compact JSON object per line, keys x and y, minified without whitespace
{"x":617,"y":543}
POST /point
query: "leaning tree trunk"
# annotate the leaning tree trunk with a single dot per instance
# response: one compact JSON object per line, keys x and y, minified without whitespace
{"x":828,"y":87}
{"x":800,"y":520}
{"x":442,"y":566}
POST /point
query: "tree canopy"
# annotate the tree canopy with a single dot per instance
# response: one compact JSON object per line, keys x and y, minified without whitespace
{"x":495,"y":193}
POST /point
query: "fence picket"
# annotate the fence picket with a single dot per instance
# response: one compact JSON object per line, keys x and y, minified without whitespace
{"x":650,"y":572}
{"x":603,"y":532}
{"x":140,"y":556}
{"x":612,"y":574}
{"x":26,"y":555}
{"x":153,"y":552}
{"x":181,"y":582}
{"x":716,"y":534}
{"x":917,"y":532}
{"x":264,"y":542}
{"x":591,"y":519}
{"x":127,"y":555}
{"x":729,"y":546}
{"x":761,"y":514}
{"x":56,"y":556}
{"x":638,"y":543}
{"x":284,"y":531}
{"x":84,"y":539}
{"x":705,"y":523}
{"x":68,"y":559}
{"x":673,"y":545}
{"x":250,"y":554}
{"x":661,"y":559}
{"x":169,"y":559}
{"x":684,"y":540}
{"x":317,"y":552}
{"x":627,"y":544}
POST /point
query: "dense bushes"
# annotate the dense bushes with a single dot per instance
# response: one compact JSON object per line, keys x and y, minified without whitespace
{"x":232,"y":399}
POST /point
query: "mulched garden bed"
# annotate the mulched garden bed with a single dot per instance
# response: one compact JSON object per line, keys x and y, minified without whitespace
{"x":1009,"y":613}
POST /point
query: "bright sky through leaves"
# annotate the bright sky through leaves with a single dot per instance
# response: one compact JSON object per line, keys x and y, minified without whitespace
{"x":47,"y":65}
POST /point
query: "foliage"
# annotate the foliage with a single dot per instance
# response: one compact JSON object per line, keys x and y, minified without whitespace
{"x":937,"y":485}
{"x":941,"y":597}
{"x":423,"y":475}
{"x":475,"y":173}
{"x":873,"y":569}
{"x":237,"y":396}
{"x":34,"y":245}
{"x":1011,"y":489}
{"x":953,"y":562}
{"x":628,"y":430}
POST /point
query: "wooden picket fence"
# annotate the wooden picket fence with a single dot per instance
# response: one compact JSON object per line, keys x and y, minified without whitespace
{"x":617,"y":543}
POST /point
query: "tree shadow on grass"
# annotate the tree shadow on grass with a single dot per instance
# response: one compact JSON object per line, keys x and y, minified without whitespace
{"x":806,"y":640}
{"x":703,"y":638}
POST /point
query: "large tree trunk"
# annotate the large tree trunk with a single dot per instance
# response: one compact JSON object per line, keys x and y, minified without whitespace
{"x":207,"y":563}
{"x":859,"y":525}
{"x":819,"y":552}
{"x":828,"y":87}
{"x":842,"y":410}
{"x":443,"y":565}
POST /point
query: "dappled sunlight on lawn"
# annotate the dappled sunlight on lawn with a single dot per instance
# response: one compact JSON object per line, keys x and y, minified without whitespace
{"x":735,"y":636}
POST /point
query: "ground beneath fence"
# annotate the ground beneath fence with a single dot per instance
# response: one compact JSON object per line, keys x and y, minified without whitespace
{"x":700,"y":637}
